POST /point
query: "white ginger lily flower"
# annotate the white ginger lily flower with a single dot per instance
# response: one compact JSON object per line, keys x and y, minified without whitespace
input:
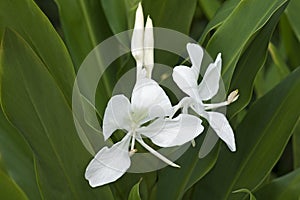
{"x":186,"y":79}
{"x":148,"y":102}
{"x":149,"y":105}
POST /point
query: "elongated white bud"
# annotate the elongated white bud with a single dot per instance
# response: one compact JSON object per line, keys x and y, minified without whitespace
{"x":148,"y":47}
{"x":137,"y":40}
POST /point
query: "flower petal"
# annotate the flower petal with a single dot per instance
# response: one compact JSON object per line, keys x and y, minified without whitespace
{"x":149,"y":100}
{"x":109,"y":164}
{"x":116,"y":116}
{"x":186,"y":81}
{"x":196,"y":55}
{"x":173,"y":132}
{"x":209,"y":85}
{"x":222,"y":128}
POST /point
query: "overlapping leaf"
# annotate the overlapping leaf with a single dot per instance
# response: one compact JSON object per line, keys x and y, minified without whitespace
{"x":44,"y":118}
{"x":261,"y":138}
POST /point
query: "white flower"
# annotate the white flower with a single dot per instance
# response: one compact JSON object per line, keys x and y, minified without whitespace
{"x":148,"y":102}
{"x":149,"y":105}
{"x":186,"y":79}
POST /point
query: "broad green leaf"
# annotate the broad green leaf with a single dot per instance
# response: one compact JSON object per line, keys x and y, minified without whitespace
{"x":250,"y":62}
{"x":289,"y":42}
{"x":135,"y":192}
{"x":209,"y":7}
{"x":285,"y":187}
{"x":251,"y":196}
{"x":296,"y":145}
{"x":120,"y":14}
{"x":220,"y":16}
{"x":84,"y":26}
{"x":28,"y":20}
{"x":261,"y":138}
{"x":172,"y":14}
{"x":17,"y":158}
{"x":9,"y":189}
{"x":280,"y":64}
{"x":39,"y":110}
{"x":245,"y":20}
{"x":173,"y":183}
{"x":293,"y":15}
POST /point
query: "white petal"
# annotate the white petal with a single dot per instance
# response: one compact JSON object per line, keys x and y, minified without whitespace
{"x":149,"y":100}
{"x":109,"y":164}
{"x":137,"y":40}
{"x":117,"y":115}
{"x":186,"y":81}
{"x":196,"y":55}
{"x":222,"y":128}
{"x":148,"y":47}
{"x":209,"y":85}
{"x":173,"y":132}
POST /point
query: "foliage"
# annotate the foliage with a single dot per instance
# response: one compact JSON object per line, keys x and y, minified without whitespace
{"x":41,"y":155}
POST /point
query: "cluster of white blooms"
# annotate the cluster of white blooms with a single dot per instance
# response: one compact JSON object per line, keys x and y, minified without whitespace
{"x":149,"y":112}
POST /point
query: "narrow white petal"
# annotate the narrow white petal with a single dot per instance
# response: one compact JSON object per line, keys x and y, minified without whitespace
{"x":109,"y":164}
{"x":222,"y":128}
{"x":116,"y":116}
{"x":148,"y":47}
{"x":209,"y":85}
{"x":149,"y":100}
{"x":137,"y":40}
{"x":173,"y":132}
{"x":196,"y":55}
{"x":186,"y":81}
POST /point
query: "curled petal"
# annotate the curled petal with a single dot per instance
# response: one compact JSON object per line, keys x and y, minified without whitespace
{"x":148,"y":47}
{"x":109,"y":164}
{"x":186,"y":81}
{"x":196,"y":55}
{"x":116,"y":116}
{"x":209,"y":85}
{"x":222,"y":128}
{"x":149,"y":100}
{"x":173,"y":132}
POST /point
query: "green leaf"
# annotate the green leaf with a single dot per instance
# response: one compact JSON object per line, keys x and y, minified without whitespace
{"x":84,"y":26}
{"x":17,"y":158}
{"x":39,"y":110}
{"x":261,"y":138}
{"x":9,"y":189}
{"x":293,"y":15}
{"x":289,"y":42}
{"x":296,"y":145}
{"x":250,"y":62}
{"x":120,"y":14}
{"x":280,"y":64}
{"x":285,"y":187}
{"x":135,"y":192}
{"x":178,"y":181}
{"x":251,"y":196}
{"x":28,"y":20}
{"x":209,"y":7}
{"x":220,"y":16}
{"x":171,"y":14}
{"x":245,"y":20}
